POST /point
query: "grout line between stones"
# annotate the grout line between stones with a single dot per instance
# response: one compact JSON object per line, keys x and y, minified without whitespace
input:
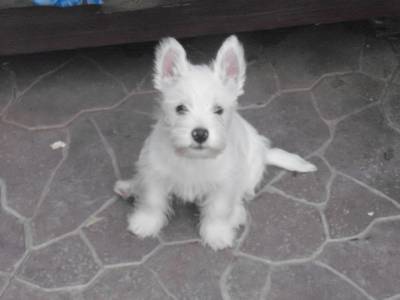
{"x":91,"y":248}
{"x":69,"y":289}
{"x":322,"y":246}
{"x":3,"y":289}
{"x":161,"y":283}
{"x":371,"y":189}
{"x":366,"y":230}
{"x":89,"y":220}
{"x":324,"y":224}
{"x":28,"y":235}
{"x":108,"y":148}
{"x":395,"y":297}
{"x":276,"y":190}
{"x":361,"y":54}
{"x":223,"y":280}
{"x":267,"y":287}
{"x":182,"y":242}
{"x":320,"y":249}
{"x":77,"y":115}
{"x":290,"y":261}
{"x":316,"y":82}
{"x":76,"y":230}
{"x":4,"y":205}
{"x":14,"y":91}
{"x":315,"y":106}
{"x":355,"y":112}
{"x":54,"y":240}
{"x":345,"y":278}
{"x":105,"y":71}
{"x":48,"y":183}
{"x":144,"y":259}
{"x":44,"y":75}
{"x":141,"y":83}
{"x":278,"y":82}
{"x":245,"y":232}
{"x":383,"y":96}
{"x":16,"y":268}
{"x":259,"y":105}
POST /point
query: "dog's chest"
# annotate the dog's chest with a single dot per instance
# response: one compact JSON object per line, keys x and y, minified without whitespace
{"x":191,"y":180}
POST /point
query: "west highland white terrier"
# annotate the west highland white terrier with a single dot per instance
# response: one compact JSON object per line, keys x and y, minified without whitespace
{"x":200,"y":148}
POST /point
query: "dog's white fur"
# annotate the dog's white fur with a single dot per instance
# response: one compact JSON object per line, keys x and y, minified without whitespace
{"x":220,"y":173}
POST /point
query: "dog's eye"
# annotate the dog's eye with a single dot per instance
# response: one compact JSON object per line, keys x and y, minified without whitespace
{"x":218,"y":110}
{"x":181,"y":109}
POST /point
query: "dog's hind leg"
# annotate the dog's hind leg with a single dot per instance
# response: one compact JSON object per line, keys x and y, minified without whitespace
{"x":289,"y":161}
{"x":125,"y":188}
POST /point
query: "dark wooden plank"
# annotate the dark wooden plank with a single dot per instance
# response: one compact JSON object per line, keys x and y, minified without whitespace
{"x":33,"y":29}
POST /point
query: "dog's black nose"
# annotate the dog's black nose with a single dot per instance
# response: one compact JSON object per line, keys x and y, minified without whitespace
{"x":200,"y":135}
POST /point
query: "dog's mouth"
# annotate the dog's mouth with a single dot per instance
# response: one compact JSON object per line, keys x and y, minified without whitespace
{"x":197,"y":151}
{"x":197,"y":147}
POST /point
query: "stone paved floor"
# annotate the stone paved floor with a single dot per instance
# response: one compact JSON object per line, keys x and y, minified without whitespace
{"x":330,"y":93}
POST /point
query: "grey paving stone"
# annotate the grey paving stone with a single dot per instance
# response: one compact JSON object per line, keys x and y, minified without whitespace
{"x":77,"y":86}
{"x":260,"y":84}
{"x":6,"y":88}
{"x":26,"y":164}
{"x":28,"y":68}
{"x":366,"y":148}
{"x":339,"y":95}
{"x":282,"y":228}
{"x":309,"y":52}
{"x":66,"y":262}
{"x":3,"y":281}
{"x":131,"y":64}
{"x":310,"y":282}
{"x":372,"y":262}
{"x":391,"y":104}
{"x":396,"y":78}
{"x":378,"y":58}
{"x":183,"y":223}
{"x":127,"y":130}
{"x":126,"y":283}
{"x":247,"y":279}
{"x":290,"y":122}
{"x":307,"y":186}
{"x":270,"y":173}
{"x":21,"y":291}
{"x":12,"y":241}
{"x":352,"y":207}
{"x":395,"y":42}
{"x":112,"y":241}
{"x":81,"y":185}
{"x":191,"y":271}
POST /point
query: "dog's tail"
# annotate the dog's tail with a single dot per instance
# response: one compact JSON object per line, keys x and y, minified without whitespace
{"x":289,"y":161}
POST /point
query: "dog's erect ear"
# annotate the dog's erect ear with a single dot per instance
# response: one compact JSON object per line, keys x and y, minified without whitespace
{"x":230,"y":65}
{"x":170,"y":63}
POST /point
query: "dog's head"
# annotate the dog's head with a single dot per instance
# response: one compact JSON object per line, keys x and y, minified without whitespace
{"x":198,"y":101}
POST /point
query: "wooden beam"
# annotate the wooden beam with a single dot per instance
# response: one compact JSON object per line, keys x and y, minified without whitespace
{"x":35,"y":29}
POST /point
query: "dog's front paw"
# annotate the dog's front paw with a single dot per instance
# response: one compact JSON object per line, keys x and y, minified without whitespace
{"x":146,"y":224}
{"x":217,"y":234}
{"x":239,"y":216}
{"x":123,"y":188}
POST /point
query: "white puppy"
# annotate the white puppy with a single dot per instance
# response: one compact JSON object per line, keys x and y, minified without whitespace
{"x":201,"y":149}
